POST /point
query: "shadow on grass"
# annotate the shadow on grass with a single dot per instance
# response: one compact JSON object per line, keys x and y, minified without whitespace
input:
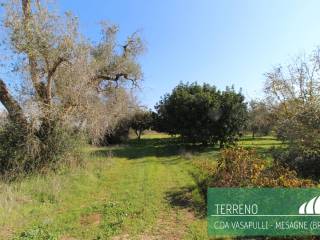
{"x":185,"y":198}
{"x":168,"y":147}
{"x":258,"y":138}
{"x":157,"y":147}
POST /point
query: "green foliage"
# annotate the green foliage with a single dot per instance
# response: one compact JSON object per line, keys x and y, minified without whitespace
{"x":301,"y":130}
{"x":202,"y":114}
{"x":37,"y":233}
{"x":303,"y":159}
{"x":298,"y":123}
{"x":233,"y":112}
{"x":140,"y":122}
{"x":119,"y":134}
{"x":294,"y":95}
{"x":23,"y":152}
{"x":12,"y":155}
{"x":117,"y":194}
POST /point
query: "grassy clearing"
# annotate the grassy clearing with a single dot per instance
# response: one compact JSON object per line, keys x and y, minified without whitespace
{"x":144,"y":190}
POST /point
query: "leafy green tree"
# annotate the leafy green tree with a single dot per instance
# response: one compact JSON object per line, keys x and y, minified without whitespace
{"x":233,"y":112}
{"x":202,"y":113}
{"x":140,"y":122}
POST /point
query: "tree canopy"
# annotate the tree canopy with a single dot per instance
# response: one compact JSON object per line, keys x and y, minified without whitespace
{"x":294,"y":94}
{"x":202,"y":113}
{"x":260,"y":118}
{"x":140,"y":121}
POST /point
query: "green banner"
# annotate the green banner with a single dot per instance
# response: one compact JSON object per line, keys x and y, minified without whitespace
{"x":263,"y":212}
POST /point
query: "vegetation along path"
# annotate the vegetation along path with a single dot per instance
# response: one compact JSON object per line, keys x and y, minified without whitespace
{"x":144,"y":190}
{"x":127,"y":192}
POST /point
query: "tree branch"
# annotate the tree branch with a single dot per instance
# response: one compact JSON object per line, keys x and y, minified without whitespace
{"x":12,"y":106}
{"x":111,"y":78}
{"x":55,"y":66}
{"x":116,"y":78}
{"x":26,"y":8}
{"x":51,"y":72}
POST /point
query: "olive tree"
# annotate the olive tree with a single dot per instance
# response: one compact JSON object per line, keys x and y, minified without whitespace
{"x":64,"y":78}
{"x":294,"y":92}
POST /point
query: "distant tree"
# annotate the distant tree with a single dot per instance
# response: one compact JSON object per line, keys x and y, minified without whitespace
{"x":202,"y":113}
{"x":140,"y":121}
{"x":118,"y":134}
{"x":260,"y":118}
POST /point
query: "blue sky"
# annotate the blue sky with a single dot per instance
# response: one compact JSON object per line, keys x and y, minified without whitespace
{"x":221,"y":42}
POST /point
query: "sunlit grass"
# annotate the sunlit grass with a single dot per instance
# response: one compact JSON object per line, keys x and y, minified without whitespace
{"x":141,"y":189}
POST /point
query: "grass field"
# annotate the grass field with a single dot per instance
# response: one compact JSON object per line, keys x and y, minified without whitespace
{"x":143,"y":190}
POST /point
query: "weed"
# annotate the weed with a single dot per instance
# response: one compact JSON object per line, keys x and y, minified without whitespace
{"x":37,"y":233}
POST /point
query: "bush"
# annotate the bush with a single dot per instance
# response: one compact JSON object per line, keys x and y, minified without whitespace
{"x":238,"y":167}
{"x":119,"y":134}
{"x":22,"y":151}
{"x":303,"y":159}
{"x":202,"y":114}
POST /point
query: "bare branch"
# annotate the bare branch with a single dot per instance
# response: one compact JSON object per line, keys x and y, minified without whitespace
{"x":117,"y":77}
{"x":55,"y":66}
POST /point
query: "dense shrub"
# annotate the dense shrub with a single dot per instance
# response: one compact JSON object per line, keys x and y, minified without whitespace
{"x":202,"y":114}
{"x":295,"y":98}
{"x":298,"y":124}
{"x":22,"y":151}
{"x":238,"y":167}
{"x":301,"y":158}
{"x":301,"y":131}
{"x":119,"y":134}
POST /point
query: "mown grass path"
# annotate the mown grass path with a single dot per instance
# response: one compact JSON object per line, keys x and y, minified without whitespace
{"x":146,"y":184}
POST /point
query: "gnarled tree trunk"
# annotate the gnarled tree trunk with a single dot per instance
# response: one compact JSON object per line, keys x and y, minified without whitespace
{"x":12,"y":106}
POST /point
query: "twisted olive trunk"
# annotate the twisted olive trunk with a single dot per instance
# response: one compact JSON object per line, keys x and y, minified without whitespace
{"x":12,"y":106}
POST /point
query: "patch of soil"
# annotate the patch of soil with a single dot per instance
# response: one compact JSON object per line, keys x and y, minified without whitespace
{"x":122,"y":237}
{"x":68,"y":238}
{"x":6,"y":232}
{"x":92,"y":219}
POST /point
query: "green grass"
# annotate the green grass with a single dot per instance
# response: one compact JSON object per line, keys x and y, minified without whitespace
{"x":138,"y":191}
{"x":261,"y":145}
